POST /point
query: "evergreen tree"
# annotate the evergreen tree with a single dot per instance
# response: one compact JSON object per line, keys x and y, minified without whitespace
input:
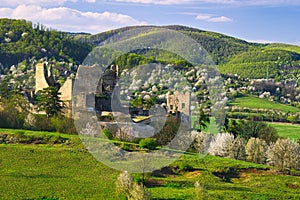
{"x":50,"y":102}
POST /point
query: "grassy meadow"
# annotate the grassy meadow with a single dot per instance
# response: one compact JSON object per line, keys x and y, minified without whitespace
{"x":287,"y":130}
{"x":257,"y":103}
{"x":30,"y":171}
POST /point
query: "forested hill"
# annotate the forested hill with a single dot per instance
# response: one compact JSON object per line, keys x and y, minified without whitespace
{"x":220,"y":46}
{"x":21,"y":40}
{"x":234,"y":56}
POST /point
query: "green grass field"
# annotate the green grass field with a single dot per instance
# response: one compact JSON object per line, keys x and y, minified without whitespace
{"x":70,"y":172}
{"x":287,"y":130}
{"x":255,"y":102}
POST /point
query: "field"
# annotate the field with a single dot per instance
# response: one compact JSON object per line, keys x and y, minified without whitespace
{"x":287,"y":130}
{"x":255,"y":102}
{"x":70,"y":172}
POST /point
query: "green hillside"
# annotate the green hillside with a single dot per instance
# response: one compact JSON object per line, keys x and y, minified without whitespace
{"x":220,"y":46}
{"x":234,"y":56}
{"x":22,"y":40}
{"x":287,"y":47}
{"x":262,"y":63}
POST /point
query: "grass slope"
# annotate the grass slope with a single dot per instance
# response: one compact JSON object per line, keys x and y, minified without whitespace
{"x":287,"y":130}
{"x":33,"y":172}
{"x":255,"y":102}
{"x":287,"y":47}
{"x":225,"y":179}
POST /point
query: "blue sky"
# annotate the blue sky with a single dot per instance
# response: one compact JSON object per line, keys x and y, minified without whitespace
{"x":252,"y":20}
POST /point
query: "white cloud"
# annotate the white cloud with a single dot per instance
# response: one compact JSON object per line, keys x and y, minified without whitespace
{"x":230,"y":2}
{"x":31,"y":2}
{"x":4,"y":3}
{"x":213,"y":18}
{"x":68,"y":19}
{"x":220,"y":19}
{"x":159,"y":2}
{"x":204,"y":16}
{"x":40,"y":2}
{"x":262,"y":41}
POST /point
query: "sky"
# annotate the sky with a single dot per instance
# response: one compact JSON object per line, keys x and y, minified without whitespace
{"x":265,"y":21}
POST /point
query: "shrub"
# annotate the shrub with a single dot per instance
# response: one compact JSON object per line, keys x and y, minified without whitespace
{"x":134,"y":191}
{"x":13,"y":111}
{"x":11,"y":118}
{"x":108,"y":134}
{"x":125,"y":147}
{"x":185,"y":167}
{"x":249,"y":129}
{"x":149,"y":143}
{"x":138,"y":192}
{"x":124,"y":183}
{"x":199,"y":191}
{"x":291,"y":119}
{"x":284,"y":154}
{"x":255,"y":150}
{"x":42,"y":123}
{"x":63,"y":124}
{"x":56,"y":139}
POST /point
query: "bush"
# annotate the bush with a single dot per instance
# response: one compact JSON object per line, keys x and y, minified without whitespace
{"x":149,"y":143}
{"x":63,"y":124}
{"x":185,"y":167}
{"x":108,"y":134}
{"x":59,"y":124}
{"x":13,"y":112}
{"x":134,"y":191}
{"x":56,"y":139}
{"x":200,"y":192}
{"x":42,"y":123}
{"x":124,"y":183}
{"x":125,"y":147}
{"x":11,"y":118}
{"x":253,"y":129}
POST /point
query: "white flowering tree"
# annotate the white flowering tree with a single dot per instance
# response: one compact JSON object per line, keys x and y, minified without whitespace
{"x":202,"y":141}
{"x":256,"y":149}
{"x":284,"y":154}
{"x":220,"y":146}
{"x":238,"y":149}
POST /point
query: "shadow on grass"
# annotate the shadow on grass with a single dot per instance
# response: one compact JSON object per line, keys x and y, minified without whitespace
{"x":34,"y":176}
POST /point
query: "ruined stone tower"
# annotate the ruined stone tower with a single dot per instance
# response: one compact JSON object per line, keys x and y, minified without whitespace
{"x":40,"y":77}
{"x":180,"y":103}
{"x":43,"y":77}
{"x":66,"y":94}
